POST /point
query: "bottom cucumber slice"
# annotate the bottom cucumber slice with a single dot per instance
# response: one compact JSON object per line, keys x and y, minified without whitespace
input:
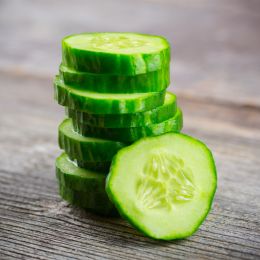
{"x":82,"y":187}
{"x":131,"y":134}
{"x":164,"y":186}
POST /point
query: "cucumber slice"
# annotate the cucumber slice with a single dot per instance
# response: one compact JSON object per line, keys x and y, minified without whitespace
{"x":104,"y":83}
{"x":156,"y":115}
{"x":97,"y":103}
{"x":83,"y":200}
{"x":168,"y":187}
{"x":115,"y":53}
{"x":131,"y":134}
{"x":82,"y":187}
{"x":86,"y":149}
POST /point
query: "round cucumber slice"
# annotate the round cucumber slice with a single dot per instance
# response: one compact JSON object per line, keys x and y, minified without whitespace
{"x":115,"y":53}
{"x":86,"y":149}
{"x":131,"y":134}
{"x":154,"y":81}
{"x":101,"y":103}
{"x":154,"y":116}
{"x":169,"y":185}
{"x":82,"y":187}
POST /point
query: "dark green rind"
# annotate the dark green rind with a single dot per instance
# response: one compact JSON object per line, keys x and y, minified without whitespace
{"x":81,"y":199}
{"x":86,"y":149}
{"x":115,"y":63}
{"x":105,"y":103}
{"x":132,"y":220}
{"x":82,"y":187}
{"x":174,"y":124}
{"x":154,"y":116}
{"x":155,"y":81}
{"x":94,"y":166}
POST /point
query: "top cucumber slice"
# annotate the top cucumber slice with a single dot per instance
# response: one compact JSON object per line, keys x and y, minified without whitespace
{"x":154,"y":116}
{"x":101,"y":103}
{"x":154,"y":81}
{"x":115,"y":53}
{"x":168,"y":187}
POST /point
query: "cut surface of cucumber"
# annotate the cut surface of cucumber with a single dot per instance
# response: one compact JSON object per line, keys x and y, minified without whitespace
{"x":86,"y":149}
{"x":115,"y":53}
{"x":154,"y":116}
{"x":101,"y":103}
{"x":163,"y":185}
{"x":155,"y":81}
{"x":82,"y":187}
{"x":131,"y":134}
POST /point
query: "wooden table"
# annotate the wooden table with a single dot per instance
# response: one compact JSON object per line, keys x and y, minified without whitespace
{"x":216,"y":75}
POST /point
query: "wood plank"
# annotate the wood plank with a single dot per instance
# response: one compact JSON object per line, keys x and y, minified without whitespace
{"x":215,"y":44}
{"x":36,"y":223}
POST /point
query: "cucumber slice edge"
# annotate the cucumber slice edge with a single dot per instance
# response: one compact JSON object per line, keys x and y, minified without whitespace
{"x":136,"y":223}
{"x":76,"y":40}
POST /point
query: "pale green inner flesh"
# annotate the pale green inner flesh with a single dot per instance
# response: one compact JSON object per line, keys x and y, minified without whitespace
{"x":169,"y":98}
{"x":124,"y":43}
{"x":164,"y":181}
{"x":164,"y":184}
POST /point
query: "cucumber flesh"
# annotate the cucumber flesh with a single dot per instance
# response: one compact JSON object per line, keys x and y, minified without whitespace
{"x":86,"y":149}
{"x":155,"y":81}
{"x":168,"y":187}
{"x":100,"y":103}
{"x":82,"y":187}
{"x":131,"y":134}
{"x":115,"y":53}
{"x":154,"y":116}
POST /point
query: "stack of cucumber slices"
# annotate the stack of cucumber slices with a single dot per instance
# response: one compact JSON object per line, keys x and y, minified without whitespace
{"x":123,"y":151}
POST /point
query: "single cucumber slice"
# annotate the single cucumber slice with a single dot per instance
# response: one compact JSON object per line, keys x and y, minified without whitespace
{"x":154,"y":116}
{"x":86,"y":149}
{"x":115,"y":53}
{"x":168,"y":187}
{"x":82,"y":187}
{"x":154,"y":81}
{"x":97,"y":103}
{"x":131,"y":134}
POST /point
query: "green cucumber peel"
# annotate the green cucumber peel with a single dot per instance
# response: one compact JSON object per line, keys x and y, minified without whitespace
{"x":115,"y":53}
{"x":169,"y":185}
{"x":154,"y":116}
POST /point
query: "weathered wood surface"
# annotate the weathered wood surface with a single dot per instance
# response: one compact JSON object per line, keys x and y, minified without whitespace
{"x":216,"y":76}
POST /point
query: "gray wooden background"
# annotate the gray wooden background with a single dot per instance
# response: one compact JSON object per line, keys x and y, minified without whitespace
{"x":216,"y":75}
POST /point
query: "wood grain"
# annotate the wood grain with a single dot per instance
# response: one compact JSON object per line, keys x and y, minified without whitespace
{"x":35,"y":223}
{"x":216,"y":76}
